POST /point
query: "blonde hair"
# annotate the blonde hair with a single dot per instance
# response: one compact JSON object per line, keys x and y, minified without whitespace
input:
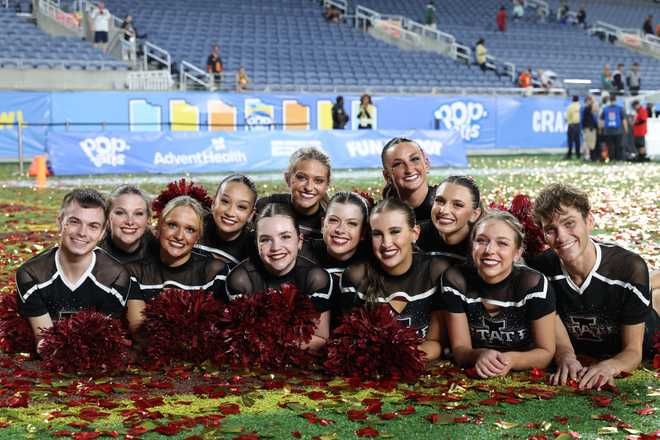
{"x":181,"y":201}
{"x":508,"y":219}
{"x":310,"y":153}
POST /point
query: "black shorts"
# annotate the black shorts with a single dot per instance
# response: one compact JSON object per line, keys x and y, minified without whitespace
{"x":640,"y":142}
{"x":100,"y":37}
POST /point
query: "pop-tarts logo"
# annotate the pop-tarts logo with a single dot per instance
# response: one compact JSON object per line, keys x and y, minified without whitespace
{"x":462,"y":116}
{"x":103,"y":150}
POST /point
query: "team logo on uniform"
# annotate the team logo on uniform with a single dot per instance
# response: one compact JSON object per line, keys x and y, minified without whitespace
{"x":103,"y":150}
{"x":492,"y":332}
{"x":589,"y":328}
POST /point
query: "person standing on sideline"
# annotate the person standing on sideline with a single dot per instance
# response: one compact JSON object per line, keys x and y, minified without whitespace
{"x":634,"y":80}
{"x":589,"y":121}
{"x":573,"y":120}
{"x":214,"y":66}
{"x":615,"y":125}
{"x":617,"y":79}
{"x":366,"y":113}
{"x":101,"y":21}
{"x":339,"y":116}
{"x":639,"y":130}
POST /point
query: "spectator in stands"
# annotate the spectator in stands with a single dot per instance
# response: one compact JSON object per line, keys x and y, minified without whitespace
{"x":634,"y":80}
{"x":214,"y":66}
{"x":562,"y":12}
{"x":573,"y":133}
{"x":518,"y":9}
{"x":602,"y":152}
{"x":541,"y":15}
{"x":615,"y":125}
{"x":481,"y":53}
{"x":101,"y":22}
{"x":582,"y":16}
{"x":332,"y":14}
{"x":547,"y":78}
{"x":647,"y":27}
{"x":242,"y":79}
{"x":339,"y":116}
{"x":429,"y":15}
{"x":589,"y":121}
{"x":128,"y":52}
{"x":657,"y":30}
{"x":525,"y":80}
{"x":617,"y":80}
{"x":606,"y":79}
{"x":500,"y":19}
{"x":639,"y":130}
{"x":366,"y":113}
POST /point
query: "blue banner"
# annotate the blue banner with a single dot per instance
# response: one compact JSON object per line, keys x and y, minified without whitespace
{"x":534,"y":122}
{"x":26,"y":109}
{"x":176,"y":153}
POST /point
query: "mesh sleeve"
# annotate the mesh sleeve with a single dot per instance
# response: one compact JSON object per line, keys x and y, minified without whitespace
{"x":539,"y":295}
{"x":437,"y":267}
{"x":349,"y":284}
{"x":452,"y":292}
{"x":217,"y":270}
{"x":238,"y":283}
{"x":637,"y":293}
{"x":30,"y":303}
{"x":319,"y":287}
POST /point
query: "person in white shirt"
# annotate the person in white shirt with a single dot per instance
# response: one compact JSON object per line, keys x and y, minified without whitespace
{"x":101,"y":21}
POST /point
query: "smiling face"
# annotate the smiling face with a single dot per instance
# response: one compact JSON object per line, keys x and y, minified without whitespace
{"x":128,"y":221}
{"x":80,"y":229}
{"x":406,"y":166}
{"x":278,"y":243}
{"x":453,"y":211}
{"x":232,"y":208}
{"x":494,"y":250}
{"x":308,"y":184}
{"x":567,"y":233}
{"x":392,"y":241}
{"x":342,"y":229}
{"x":177,"y":233}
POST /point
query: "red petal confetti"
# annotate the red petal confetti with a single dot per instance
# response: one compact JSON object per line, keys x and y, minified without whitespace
{"x":356,"y":415}
{"x":229,"y":408}
{"x":85,"y":435}
{"x":562,"y":419}
{"x":91,"y":414}
{"x":316,"y":395}
{"x":433,"y":418}
{"x":601,"y":401}
{"x":536,"y":374}
{"x":388,"y":415}
{"x":367,"y":432}
{"x":296,"y":434}
{"x":61,"y":433}
{"x":170,"y":429}
{"x":645,"y":411}
{"x":488,"y":402}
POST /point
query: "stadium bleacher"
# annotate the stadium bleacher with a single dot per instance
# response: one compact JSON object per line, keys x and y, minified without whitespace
{"x":628,"y":14}
{"x":23,"y":45}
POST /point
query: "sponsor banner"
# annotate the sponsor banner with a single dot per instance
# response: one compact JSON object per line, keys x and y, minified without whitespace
{"x":26,"y":109}
{"x":130,"y":152}
{"x":534,"y":122}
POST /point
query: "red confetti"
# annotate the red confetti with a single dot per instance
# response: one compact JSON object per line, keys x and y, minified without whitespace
{"x":407,"y":410}
{"x":367,"y":432}
{"x":645,"y":411}
{"x":601,"y":401}
{"x":230,"y":408}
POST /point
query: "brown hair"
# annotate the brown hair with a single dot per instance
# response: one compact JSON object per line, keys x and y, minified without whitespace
{"x":390,"y":190}
{"x":273,"y":209}
{"x":87,"y":198}
{"x":553,"y":197}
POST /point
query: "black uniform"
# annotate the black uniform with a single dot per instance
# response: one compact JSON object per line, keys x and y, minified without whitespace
{"x":524,"y":296}
{"x":423,"y":211}
{"x":615,"y":293}
{"x":200,"y":272}
{"x":124,"y":257}
{"x":432,"y":243}
{"x":310,"y":225}
{"x":419,"y":286}
{"x":231,"y":252}
{"x":317,"y":251}
{"x":251,"y":276}
{"x":42,"y":287}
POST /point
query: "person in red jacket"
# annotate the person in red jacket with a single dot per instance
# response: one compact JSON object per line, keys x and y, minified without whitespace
{"x":639,"y":130}
{"x":501,"y":19}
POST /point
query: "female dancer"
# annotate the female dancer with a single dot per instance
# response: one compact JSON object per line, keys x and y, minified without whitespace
{"x":397,"y":276}
{"x":308,"y":178}
{"x":405,"y":169}
{"x":455,"y":209}
{"x":344,"y":228}
{"x":227,"y":232}
{"x":128,"y":234}
{"x":501,"y":316}
{"x":172,"y":262}
{"x":279,"y":242}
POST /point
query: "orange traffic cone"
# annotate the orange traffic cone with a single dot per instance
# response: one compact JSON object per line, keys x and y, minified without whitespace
{"x":42,"y":171}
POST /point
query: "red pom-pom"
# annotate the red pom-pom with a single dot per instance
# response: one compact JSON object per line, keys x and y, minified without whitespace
{"x":15,"y":331}
{"x":88,"y":342}
{"x":371,"y":343}
{"x":367,"y":197}
{"x":267,"y":329}
{"x":181,"y":326}
{"x":181,"y":188}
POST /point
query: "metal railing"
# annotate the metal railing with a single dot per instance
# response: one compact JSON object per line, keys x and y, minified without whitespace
{"x":191,"y":74}
{"x":340,"y":5}
{"x":69,"y":20}
{"x":150,"y":80}
{"x":539,"y":4}
{"x":158,"y":54}
{"x":31,"y":63}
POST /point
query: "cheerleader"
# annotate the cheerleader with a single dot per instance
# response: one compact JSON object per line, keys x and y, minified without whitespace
{"x":344,"y":228}
{"x":308,"y":178}
{"x":501,"y":316}
{"x":172,"y":263}
{"x":456,"y":207}
{"x":128,"y":234}
{"x":227,"y":233}
{"x":405,"y":168}
{"x":397,"y":276}
{"x":278,"y":262}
